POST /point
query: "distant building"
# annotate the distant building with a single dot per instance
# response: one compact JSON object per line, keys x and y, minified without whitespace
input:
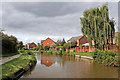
{"x":47,"y":42}
{"x":31,"y":45}
{"x":79,"y":39}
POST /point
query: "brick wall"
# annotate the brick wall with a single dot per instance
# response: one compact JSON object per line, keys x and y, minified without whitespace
{"x":47,"y":42}
{"x":32,"y":45}
{"x":83,"y":40}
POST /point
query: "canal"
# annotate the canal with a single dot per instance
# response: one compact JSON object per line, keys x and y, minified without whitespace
{"x":56,"y":66}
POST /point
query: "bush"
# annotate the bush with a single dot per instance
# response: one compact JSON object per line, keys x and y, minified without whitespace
{"x":105,"y":57}
{"x":74,"y":50}
{"x":46,"y":48}
{"x":41,"y":51}
{"x":30,"y":53}
{"x":82,"y":45}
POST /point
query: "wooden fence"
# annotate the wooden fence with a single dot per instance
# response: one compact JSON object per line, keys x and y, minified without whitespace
{"x":88,"y":49}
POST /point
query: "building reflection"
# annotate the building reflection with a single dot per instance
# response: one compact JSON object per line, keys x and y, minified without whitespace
{"x":47,"y":63}
{"x":47,"y":60}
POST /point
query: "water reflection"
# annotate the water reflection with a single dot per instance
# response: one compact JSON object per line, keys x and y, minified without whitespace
{"x":57,"y":66}
{"x":47,"y":60}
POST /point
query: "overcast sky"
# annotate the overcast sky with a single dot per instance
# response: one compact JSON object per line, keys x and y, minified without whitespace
{"x":35,"y":21}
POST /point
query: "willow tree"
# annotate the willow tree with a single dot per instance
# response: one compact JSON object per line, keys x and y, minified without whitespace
{"x":97,"y":26}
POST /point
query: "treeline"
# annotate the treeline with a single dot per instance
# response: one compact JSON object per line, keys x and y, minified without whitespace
{"x":10,"y":44}
{"x":98,"y":27}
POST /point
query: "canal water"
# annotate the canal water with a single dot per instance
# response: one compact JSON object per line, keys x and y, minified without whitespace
{"x":56,"y":66}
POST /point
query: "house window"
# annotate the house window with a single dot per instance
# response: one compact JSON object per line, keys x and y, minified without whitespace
{"x":47,"y":42}
{"x":84,"y":41}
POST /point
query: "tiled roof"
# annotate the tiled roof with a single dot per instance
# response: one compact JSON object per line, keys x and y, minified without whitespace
{"x":42,"y":41}
{"x":75,"y":38}
{"x":46,"y":39}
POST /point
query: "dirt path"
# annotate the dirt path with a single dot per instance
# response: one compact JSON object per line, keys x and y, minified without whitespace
{"x":4,"y":60}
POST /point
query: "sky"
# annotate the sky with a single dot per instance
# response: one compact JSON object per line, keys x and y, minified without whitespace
{"x":36,"y":21}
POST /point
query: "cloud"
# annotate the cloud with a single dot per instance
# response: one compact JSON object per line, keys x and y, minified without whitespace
{"x":31,"y":21}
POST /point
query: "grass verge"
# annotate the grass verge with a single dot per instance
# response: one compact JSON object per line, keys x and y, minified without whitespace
{"x":17,"y":66}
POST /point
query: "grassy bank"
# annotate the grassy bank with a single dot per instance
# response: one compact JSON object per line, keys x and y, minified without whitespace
{"x":14,"y":68}
{"x":67,"y":53}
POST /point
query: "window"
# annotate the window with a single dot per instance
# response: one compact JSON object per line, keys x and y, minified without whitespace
{"x":47,"y":42}
{"x":32,"y":45}
{"x":84,"y":41}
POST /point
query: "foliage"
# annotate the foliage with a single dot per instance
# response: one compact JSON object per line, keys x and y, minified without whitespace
{"x":9,"y":44}
{"x":41,"y":51}
{"x":63,"y":42}
{"x":30,"y":53}
{"x":24,"y":62}
{"x":73,"y":44}
{"x":60,"y":43}
{"x":20,"y":45}
{"x":69,"y":45}
{"x":35,"y":48}
{"x":63,"y":49}
{"x":97,"y":26}
{"x":74,"y":50}
{"x":59,"y":47}
{"x":82,"y":45}
{"x":46,"y":48}
{"x":117,"y":39}
{"x":53,"y":45}
{"x":106,"y":57}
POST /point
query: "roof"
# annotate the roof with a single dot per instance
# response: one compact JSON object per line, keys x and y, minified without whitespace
{"x":46,"y":39}
{"x":42,"y":41}
{"x":75,"y":38}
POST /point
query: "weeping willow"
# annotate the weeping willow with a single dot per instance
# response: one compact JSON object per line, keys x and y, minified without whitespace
{"x":97,"y":26}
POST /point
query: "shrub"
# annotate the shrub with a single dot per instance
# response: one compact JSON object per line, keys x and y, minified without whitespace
{"x":30,"y":53}
{"x":82,"y":45}
{"x":74,"y":50}
{"x":41,"y":51}
{"x":46,"y":48}
{"x":105,"y":57}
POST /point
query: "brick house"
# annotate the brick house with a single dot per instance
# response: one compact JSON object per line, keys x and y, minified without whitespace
{"x":79,"y":39}
{"x":47,"y":42}
{"x":31,"y":45}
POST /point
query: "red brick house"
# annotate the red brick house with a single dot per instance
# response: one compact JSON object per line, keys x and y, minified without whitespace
{"x":79,"y":39}
{"x":47,"y":42}
{"x":31,"y":45}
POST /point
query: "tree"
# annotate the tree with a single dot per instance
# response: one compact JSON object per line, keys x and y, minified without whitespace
{"x":117,"y":39}
{"x":20,"y":45}
{"x":59,"y":47}
{"x":9,"y":44}
{"x":63,"y":42}
{"x":60,"y":43}
{"x":53,"y":46}
{"x":46,"y":48}
{"x":97,"y":26}
{"x":67,"y":45}
{"x":72,"y":44}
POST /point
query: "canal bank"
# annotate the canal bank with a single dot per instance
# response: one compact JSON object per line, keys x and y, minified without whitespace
{"x":86,"y":57}
{"x":15,"y":68}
